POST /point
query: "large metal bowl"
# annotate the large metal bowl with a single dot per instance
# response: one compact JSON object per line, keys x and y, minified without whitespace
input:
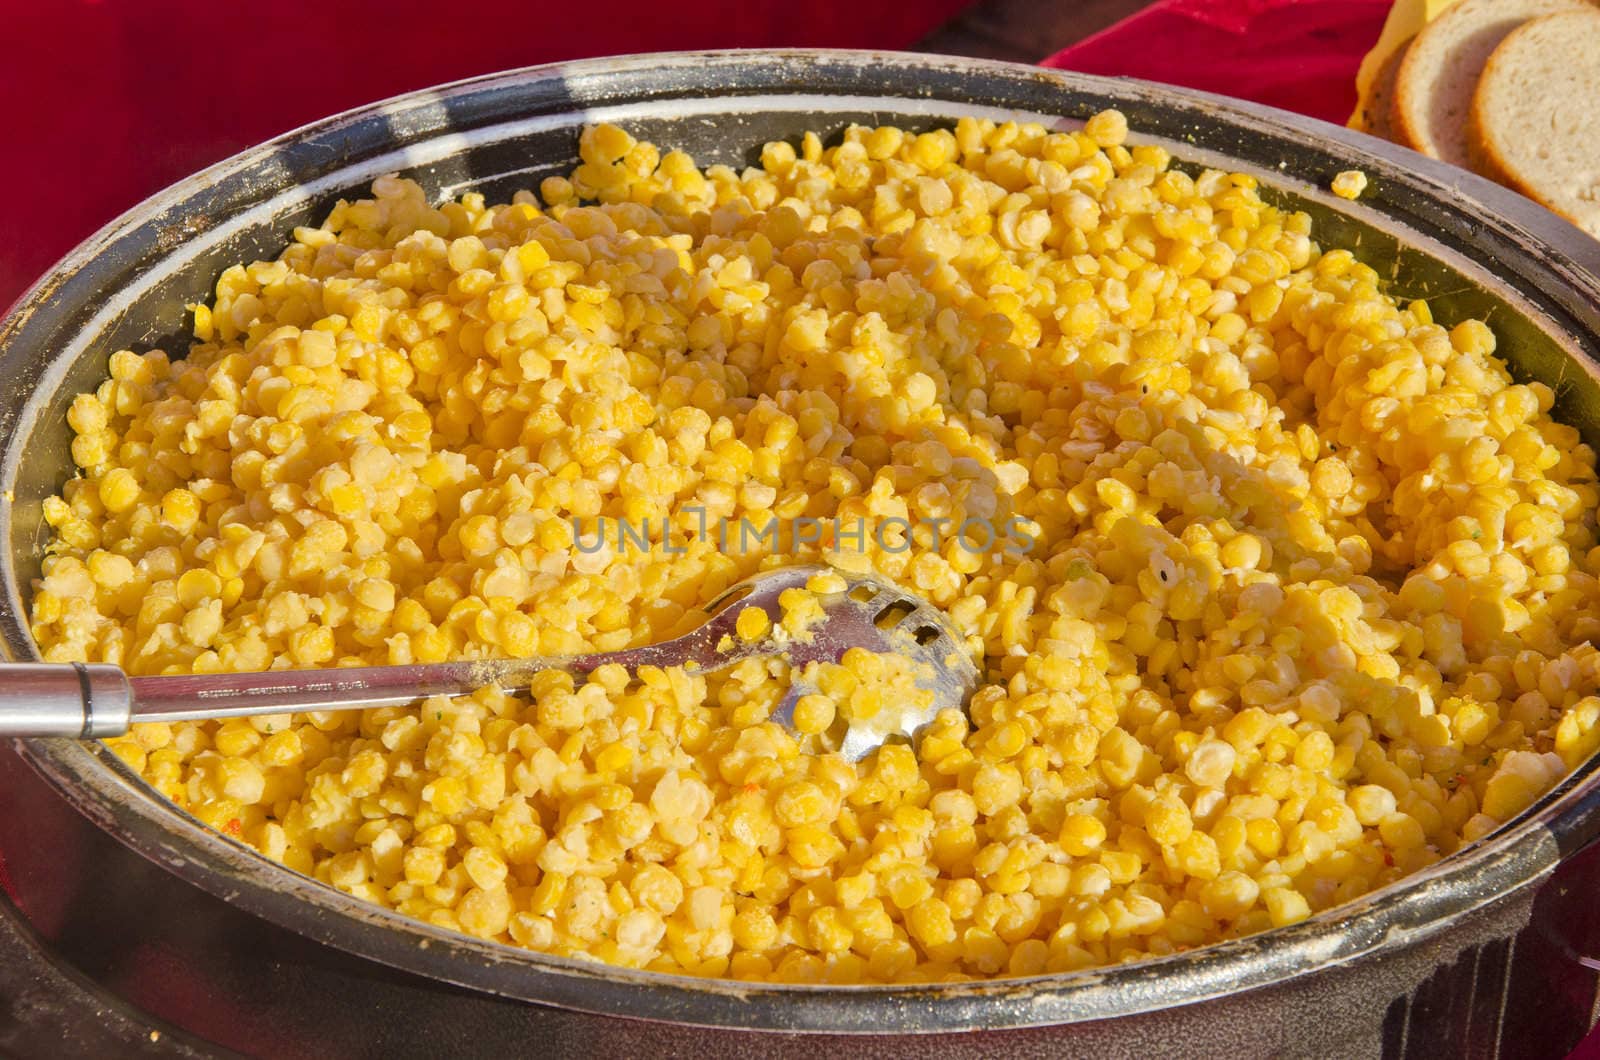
{"x":203,"y":932}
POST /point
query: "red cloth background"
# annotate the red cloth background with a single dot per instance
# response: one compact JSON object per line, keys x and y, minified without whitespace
{"x":108,"y":101}
{"x":1300,"y":55}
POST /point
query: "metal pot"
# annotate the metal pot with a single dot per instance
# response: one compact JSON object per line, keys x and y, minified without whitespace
{"x":241,"y":952}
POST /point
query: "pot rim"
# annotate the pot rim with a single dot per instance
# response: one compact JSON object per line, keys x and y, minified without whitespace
{"x":93,"y":780}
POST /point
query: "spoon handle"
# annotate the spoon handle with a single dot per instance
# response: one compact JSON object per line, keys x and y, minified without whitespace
{"x":198,"y":697}
{"x":96,"y":700}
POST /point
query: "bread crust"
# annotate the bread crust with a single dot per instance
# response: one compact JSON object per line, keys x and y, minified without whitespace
{"x":1407,"y":83}
{"x":1377,"y":117}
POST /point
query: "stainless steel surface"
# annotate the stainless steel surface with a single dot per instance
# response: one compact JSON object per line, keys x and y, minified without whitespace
{"x":868,"y":613}
{"x":69,"y":700}
{"x":107,"y":699}
{"x":1352,"y":981}
{"x":75,"y":701}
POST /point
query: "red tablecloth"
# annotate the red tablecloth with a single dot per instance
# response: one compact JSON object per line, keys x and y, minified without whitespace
{"x":108,"y":101}
{"x":1300,"y":55}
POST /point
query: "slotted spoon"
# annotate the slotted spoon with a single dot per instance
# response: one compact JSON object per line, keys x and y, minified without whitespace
{"x":96,"y":700}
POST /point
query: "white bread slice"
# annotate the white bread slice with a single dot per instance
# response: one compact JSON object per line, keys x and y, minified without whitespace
{"x":1535,"y":120}
{"x":1433,"y":90}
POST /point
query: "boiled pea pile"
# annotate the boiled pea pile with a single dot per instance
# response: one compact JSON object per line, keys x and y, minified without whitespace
{"x":1300,"y":604}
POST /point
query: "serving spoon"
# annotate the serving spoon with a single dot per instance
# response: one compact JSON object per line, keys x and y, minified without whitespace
{"x":97,"y":700}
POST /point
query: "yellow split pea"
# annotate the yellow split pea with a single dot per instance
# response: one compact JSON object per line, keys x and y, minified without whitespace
{"x":1306,"y":610}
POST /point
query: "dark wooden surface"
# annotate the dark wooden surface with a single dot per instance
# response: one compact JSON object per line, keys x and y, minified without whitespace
{"x":1025,"y":31}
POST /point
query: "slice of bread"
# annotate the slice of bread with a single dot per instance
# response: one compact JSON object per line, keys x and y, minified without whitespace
{"x":1535,"y":120}
{"x":1433,"y":89}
